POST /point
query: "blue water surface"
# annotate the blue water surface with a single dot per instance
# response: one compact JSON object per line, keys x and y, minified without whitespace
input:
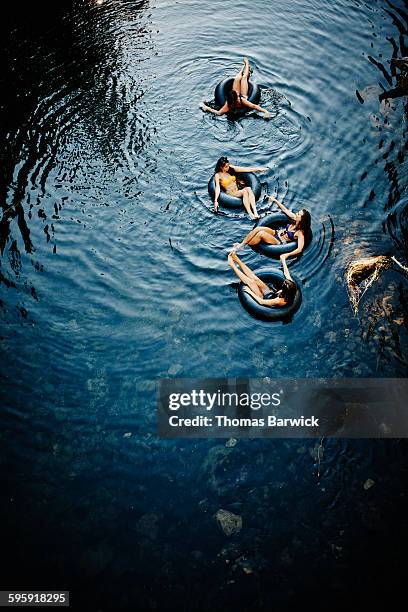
{"x":114,"y":274}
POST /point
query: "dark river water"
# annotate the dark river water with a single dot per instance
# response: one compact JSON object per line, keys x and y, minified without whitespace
{"x":113,"y":274}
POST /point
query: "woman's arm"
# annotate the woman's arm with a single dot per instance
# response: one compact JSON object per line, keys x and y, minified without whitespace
{"x":272,"y":302}
{"x":298,"y":250}
{"x":287,"y":212}
{"x":247,"y":169}
{"x":208,"y":109}
{"x":256,"y":107}
{"x":217,"y":191}
{"x":285,"y":266}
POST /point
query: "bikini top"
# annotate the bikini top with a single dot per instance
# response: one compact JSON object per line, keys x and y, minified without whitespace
{"x":271,"y":295}
{"x":273,"y":292}
{"x":289,"y":233}
{"x":226,"y":181}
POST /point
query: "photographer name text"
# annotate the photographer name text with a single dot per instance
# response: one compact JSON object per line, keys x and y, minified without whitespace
{"x":224,"y":421}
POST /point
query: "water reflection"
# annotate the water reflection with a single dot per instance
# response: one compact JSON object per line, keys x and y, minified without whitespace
{"x":76,"y":108}
{"x":383,"y":316}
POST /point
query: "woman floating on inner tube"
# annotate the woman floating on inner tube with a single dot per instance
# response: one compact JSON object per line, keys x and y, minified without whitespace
{"x":237,"y":97}
{"x":295,"y":231}
{"x":224,"y":179}
{"x":259,"y":290}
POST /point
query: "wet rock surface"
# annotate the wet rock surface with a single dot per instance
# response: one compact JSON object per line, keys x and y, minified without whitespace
{"x":229,"y":522}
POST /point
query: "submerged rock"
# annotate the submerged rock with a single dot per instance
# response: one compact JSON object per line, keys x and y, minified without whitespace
{"x":215,"y":469}
{"x":370,"y":93}
{"x":175,"y":369}
{"x":228,"y":469}
{"x":243,"y":564}
{"x":148,"y":526}
{"x":229,"y":522}
{"x":368,"y":484}
{"x":95,"y":560}
{"x":230,"y":552}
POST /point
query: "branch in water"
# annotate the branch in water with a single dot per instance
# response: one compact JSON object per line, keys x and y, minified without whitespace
{"x":399,"y":264}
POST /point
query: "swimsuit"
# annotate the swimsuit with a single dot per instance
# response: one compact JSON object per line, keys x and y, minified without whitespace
{"x":270,"y":295}
{"x":226,"y":182}
{"x":290,"y":235}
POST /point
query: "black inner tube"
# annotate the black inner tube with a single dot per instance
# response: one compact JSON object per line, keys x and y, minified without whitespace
{"x":273,"y":278}
{"x":249,"y":178}
{"x":220,"y":94}
{"x":275,"y":221}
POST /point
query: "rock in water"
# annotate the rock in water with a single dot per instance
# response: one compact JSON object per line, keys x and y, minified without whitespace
{"x":369,"y":93}
{"x":368,"y":484}
{"x":148,"y":526}
{"x":230,"y":523}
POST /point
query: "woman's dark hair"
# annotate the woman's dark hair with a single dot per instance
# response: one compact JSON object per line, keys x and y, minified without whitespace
{"x":220,"y":163}
{"x":288,"y":291}
{"x":304,"y":223}
{"x":232,"y":100}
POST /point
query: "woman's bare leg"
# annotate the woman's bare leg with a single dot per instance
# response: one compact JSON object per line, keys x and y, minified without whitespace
{"x":248,"y":272}
{"x":245,"y":78}
{"x":246,"y":202}
{"x":236,"y":86}
{"x":269,"y":236}
{"x":252,"y":202}
{"x":246,"y":269}
{"x":263,"y":236}
{"x":244,"y":195}
{"x":246,"y":240}
{"x":247,"y":280}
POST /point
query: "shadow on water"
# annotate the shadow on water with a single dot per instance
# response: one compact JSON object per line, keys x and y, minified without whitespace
{"x":384,"y":318}
{"x":63,"y":84}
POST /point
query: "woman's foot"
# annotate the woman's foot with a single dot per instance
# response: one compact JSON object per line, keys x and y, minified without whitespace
{"x":237,"y":247}
{"x":246,"y":70}
{"x":247,"y":67}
